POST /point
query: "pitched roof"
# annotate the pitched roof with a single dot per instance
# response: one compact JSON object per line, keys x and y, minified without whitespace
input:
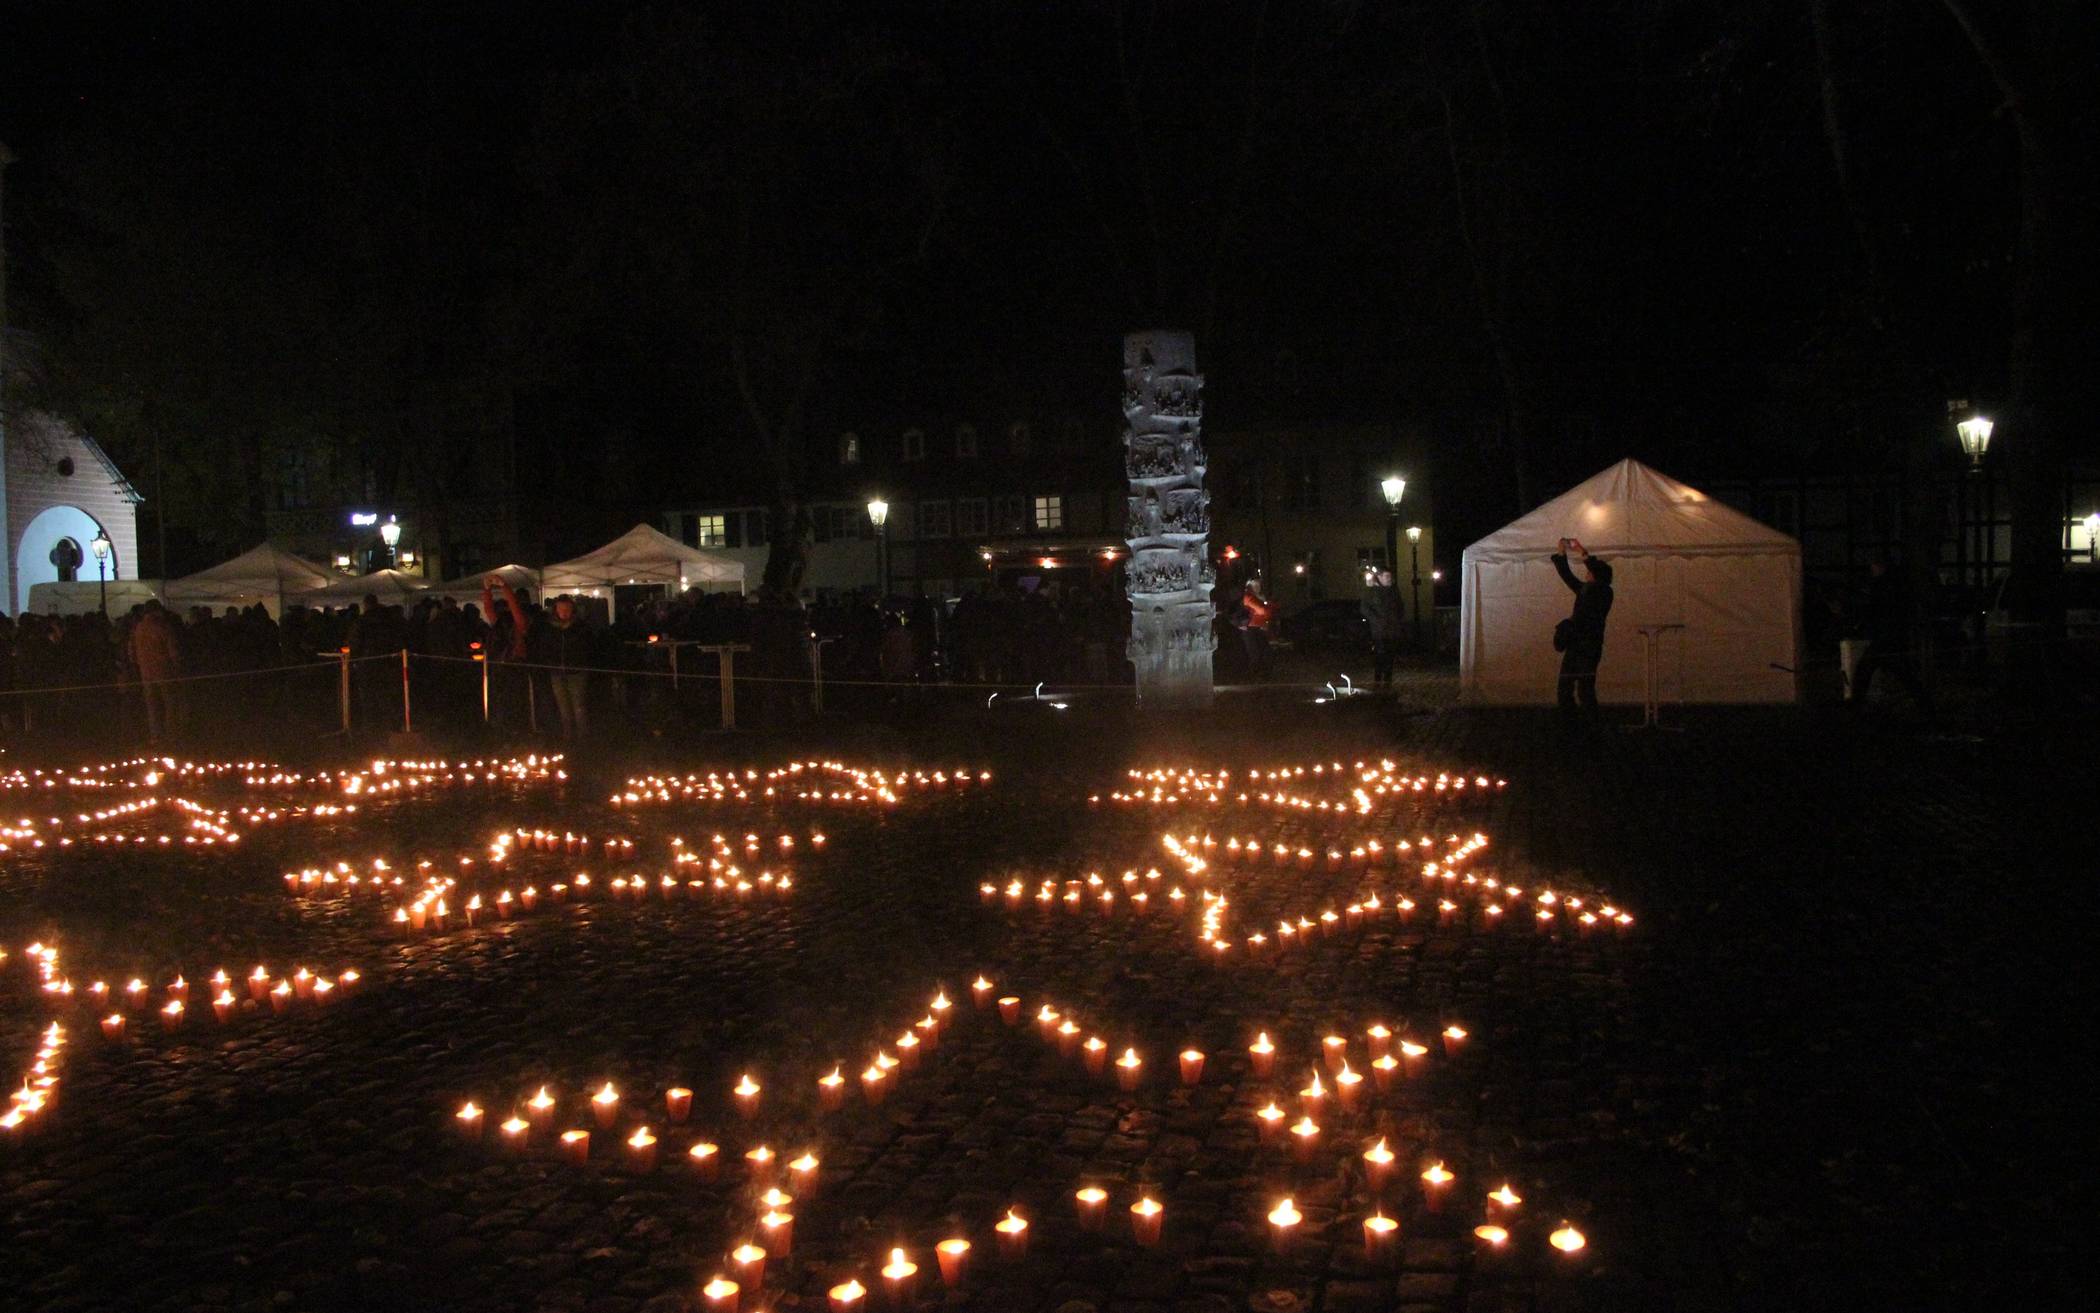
{"x":1631,"y":510}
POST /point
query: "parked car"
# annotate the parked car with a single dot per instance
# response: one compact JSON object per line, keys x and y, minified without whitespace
{"x":1336,"y":623}
{"x":2081,"y":592}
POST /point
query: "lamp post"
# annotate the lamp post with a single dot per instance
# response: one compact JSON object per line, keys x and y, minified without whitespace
{"x":390,"y":534}
{"x":101,"y":547}
{"x":1394,"y":487}
{"x":1975,"y":435}
{"x":879,"y":516}
{"x":1414,"y":585}
{"x":2092,"y":536}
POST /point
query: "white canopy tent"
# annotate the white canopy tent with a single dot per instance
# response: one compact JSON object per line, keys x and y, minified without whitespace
{"x":467,"y":588}
{"x":391,"y":587}
{"x":266,"y":574}
{"x":85,"y":595}
{"x":1677,"y":557}
{"x":644,"y":555}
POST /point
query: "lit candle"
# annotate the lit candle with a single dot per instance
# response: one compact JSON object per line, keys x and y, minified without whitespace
{"x":1454,"y":1036}
{"x":516,"y":1131}
{"x":1503,"y":1200}
{"x":706,"y":1158}
{"x":1314,"y":1095}
{"x":605,"y":1106}
{"x":758,"y":1163}
{"x":179,"y":990}
{"x":1305,"y":1138}
{"x":1380,"y":1039}
{"x":721,"y":1295}
{"x":954,"y":1254}
{"x":1263,"y":1055}
{"x":1067,"y":1037}
{"x":777,"y":1229}
{"x":171,"y":1015}
{"x":1379,"y":1231}
{"x":135,"y":990}
{"x":1095,"y":1051}
{"x":981,"y":993}
{"x":1092,"y":1202}
{"x":258,"y":984}
{"x":678,"y":1104}
{"x":303,"y":983}
{"x":1013,"y":1235}
{"x":802,"y":1173}
{"x":746,"y":1093}
{"x":576,"y":1146}
{"x":113,"y":1026}
{"x":1146,"y":1217}
{"x":281,"y":996}
{"x":469,"y":1118}
{"x":1347,"y":1083}
{"x":541,"y":1109}
{"x":1129,"y":1069}
{"x":1191,"y":1066}
{"x":1010,"y":1010}
{"x":1283,"y":1223}
{"x":899,"y":1275}
{"x":1378,"y":1165}
{"x":1336,"y":1049}
{"x":641,"y":1150}
{"x":1046,"y":1020}
{"x":1436,"y":1183}
{"x":1270,"y":1120}
{"x":848,"y":1296}
{"x":1493,"y":1239}
{"x":748,"y":1262}
{"x":1567,"y":1239}
{"x":831,"y":1091}
{"x":874,"y":1083}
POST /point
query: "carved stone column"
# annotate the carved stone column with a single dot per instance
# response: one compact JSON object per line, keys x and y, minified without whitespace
{"x":1168,"y":577}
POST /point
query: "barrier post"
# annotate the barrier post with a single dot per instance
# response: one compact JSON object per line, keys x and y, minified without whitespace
{"x":343,"y":657}
{"x":481,"y":659}
{"x":726,"y":654}
{"x":406,"y":726}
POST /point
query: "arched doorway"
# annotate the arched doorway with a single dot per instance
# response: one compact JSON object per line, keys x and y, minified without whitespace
{"x":58,"y":534}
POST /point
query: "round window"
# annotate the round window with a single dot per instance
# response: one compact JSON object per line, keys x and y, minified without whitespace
{"x":65,"y":467}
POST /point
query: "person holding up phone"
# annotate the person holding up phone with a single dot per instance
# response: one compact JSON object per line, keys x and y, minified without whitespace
{"x":1580,"y":637}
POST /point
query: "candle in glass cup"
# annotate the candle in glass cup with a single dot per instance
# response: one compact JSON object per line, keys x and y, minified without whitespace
{"x":641,"y":1150}
{"x":748,"y":1263}
{"x":678,"y":1104}
{"x":706,"y":1158}
{"x":1379,"y":1231}
{"x":1129,"y":1069}
{"x":1436,"y":1183}
{"x":1092,"y":1202}
{"x":1013,"y":1235}
{"x":1146,"y":1217}
{"x":1263,"y":1055}
{"x":720,"y":1294}
{"x":605,"y":1106}
{"x":1283,"y":1224}
{"x":576,"y":1146}
{"x":954,"y":1255}
{"x":469,"y":1118}
{"x":899,"y":1276}
{"x":848,"y":1296}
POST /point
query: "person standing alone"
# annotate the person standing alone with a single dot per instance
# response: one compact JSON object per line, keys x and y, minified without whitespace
{"x":1580,"y":637}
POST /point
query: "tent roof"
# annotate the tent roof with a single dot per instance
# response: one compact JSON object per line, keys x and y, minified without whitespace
{"x":267,"y":570}
{"x":646,"y":555}
{"x":1631,"y":510}
{"x":517,"y":576}
{"x":387,"y":585}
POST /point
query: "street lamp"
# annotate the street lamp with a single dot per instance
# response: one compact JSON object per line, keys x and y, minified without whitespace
{"x":390,"y":534}
{"x":1414,"y":584}
{"x":101,"y":547}
{"x":1975,"y":434}
{"x":879,"y":515}
{"x":2092,"y":536}
{"x":1394,"y":487}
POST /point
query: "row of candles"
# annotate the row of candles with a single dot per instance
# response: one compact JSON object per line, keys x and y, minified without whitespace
{"x":1159,"y":787}
{"x":802,"y":781}
{"x":280,"y":993}
{"x":39,"y":1085}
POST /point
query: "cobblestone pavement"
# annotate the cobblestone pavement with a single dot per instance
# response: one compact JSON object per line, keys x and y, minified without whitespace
{"x":1809,"y":1075}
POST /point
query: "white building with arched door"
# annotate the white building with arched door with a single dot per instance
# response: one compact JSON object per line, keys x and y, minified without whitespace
{"x":58,"y":493}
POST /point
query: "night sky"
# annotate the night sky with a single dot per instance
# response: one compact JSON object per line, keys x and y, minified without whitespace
{"x":371,"y":226}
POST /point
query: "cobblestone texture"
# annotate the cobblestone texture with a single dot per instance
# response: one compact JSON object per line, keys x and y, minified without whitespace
{"x":1808,"y":1078}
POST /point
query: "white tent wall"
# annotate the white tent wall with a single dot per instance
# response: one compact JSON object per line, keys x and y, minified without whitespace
{"x":1677,"y":557}
{"x":81,"y":597}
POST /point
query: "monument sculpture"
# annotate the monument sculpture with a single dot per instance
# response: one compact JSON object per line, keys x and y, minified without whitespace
{"x":1169,"y":576}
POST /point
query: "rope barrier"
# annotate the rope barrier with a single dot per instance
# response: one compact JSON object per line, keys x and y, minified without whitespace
{"x":324,"y":663}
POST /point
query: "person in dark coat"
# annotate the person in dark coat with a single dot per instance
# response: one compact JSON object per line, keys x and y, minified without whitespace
{"x":1581,"y":635}
{"x":1380,"y":609}
{"x":1890,"y":614}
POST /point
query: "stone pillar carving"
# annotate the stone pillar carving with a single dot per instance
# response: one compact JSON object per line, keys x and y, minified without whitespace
{"x":1169,"y":576}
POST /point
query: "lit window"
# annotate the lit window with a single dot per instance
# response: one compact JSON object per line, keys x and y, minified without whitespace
{"x":714,"y":531}
{"x":966,"y":441}
{"x":915,"y":444}
{"x":1049,"y":512}
{"x":849,"y":449}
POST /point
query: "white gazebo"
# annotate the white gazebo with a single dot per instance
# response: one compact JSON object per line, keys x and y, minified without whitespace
{"x":467,"y":588}
{"x":643,"y":555}
{"x":1678,"y":558}
{"x":392,"y":587}
{"x":266,"y":574}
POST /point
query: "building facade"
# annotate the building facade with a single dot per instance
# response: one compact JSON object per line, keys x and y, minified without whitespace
{"x":61,"y":493}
